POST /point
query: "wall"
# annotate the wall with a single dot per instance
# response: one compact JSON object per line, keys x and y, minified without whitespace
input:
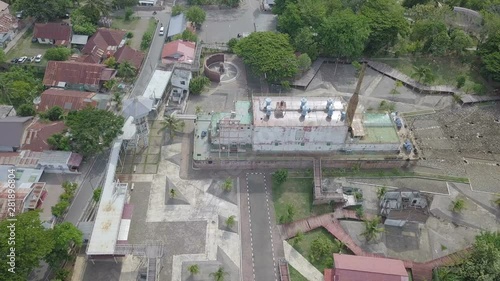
{"x":214,"y":76}
{"x":6,"y":148}
{"x":44,"y":41}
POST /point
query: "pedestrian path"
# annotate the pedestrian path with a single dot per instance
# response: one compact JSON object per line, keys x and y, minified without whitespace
{"x":330,"y":222}
{"x":303,"y":266}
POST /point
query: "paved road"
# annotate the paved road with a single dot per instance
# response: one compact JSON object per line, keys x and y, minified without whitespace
{"x":153,"y":56}
{"x":90,"y":180}
{"x":263,"y":252}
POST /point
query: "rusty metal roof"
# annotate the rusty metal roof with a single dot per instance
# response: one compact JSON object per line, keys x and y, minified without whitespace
{"x":66,"y":99}
{"x":76,"y":73}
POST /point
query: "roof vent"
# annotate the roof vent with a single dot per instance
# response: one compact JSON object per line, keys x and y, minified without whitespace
{"x":330,"y":111}
{"x":268,"y":111}
{"x":305,"y":110}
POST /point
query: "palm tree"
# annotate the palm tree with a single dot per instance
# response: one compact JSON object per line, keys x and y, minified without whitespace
{"x":126,"y":69}
{"x":173,"y":193}
{"x":96,"y":8}
{"x":194,"y":269}
{"x":219,"y":274}
{"x":381,"y":191}
{"x":423,"y":73}
{"x":228,"y":184}
{"x":372,"y":229}
{"x":299,"y":237}
{"x":458,"y":205}
{"x":230,"y":221}
{"x":198,"y":110}
{"x":172,"y":124}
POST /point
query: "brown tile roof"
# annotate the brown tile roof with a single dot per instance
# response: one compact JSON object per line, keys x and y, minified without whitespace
{"x":8,"y":22}
{"x":58,"y":31}
{"x":178,"y":51}
{"x":38,"y":133}
{"x":66,"y":99}
{"x":76,"y":73}
{"x":103,"y":43}
{"x":359,"y":268}
{"x":126,"y":53}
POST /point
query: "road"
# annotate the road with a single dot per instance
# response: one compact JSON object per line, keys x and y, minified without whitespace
{"x":262,"y":250}
{"x":153,"y":56}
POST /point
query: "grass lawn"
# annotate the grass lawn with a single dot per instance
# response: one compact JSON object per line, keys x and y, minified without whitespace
{"x":295,"y":275}
{"x":446,"y":70}
{"x":24,"y":47}
{"x":297,"y":192}
{"x":304,"y":247}
{"x":120,"y":23}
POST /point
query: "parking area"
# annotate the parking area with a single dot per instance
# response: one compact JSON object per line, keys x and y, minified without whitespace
{"x":25,"y":47}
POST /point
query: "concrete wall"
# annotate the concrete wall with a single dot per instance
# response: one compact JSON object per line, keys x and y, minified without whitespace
{"x":214,"y":76}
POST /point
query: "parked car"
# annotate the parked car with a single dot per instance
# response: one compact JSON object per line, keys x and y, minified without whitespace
{"x":22,"y":59}
{"x":14,"y":60}
{"x":19,"y":14}
{"x":34,"y":40}
{"x":38,"y":58}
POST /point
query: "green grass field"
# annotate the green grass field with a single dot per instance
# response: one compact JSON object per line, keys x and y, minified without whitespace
{"x":295,"y":275}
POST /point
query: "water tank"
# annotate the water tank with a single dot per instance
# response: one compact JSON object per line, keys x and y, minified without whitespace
{"x":398,"y":122}
{"x":305,"y":110}
{"x":330,"y":111}
{"x":408,"y":146}
{"x":268,"y":111}
{"x":329,"y":103}
{"x":268,"y":102}
{"x":342,"y":116}
{"x":303,"y":102}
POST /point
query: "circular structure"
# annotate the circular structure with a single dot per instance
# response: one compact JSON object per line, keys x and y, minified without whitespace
{"x":228,"y":71}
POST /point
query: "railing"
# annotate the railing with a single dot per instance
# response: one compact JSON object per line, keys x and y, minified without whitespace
{"x":284,"y":272}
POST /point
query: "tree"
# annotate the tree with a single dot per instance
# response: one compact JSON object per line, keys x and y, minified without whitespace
{"x":54,"y":113}
{"x":482,"y":263}
{"x":280,"y":176}
{"x":299,"y":237}
{"x":198,"y":110}
{"x":32,"y":244}
{"x":304,"y":62}
{"x":230,"y":221}
{"x":372,"y":229}
{"x":321,"y":248}
{"x":219,"y":275}
{"x":460,"y":41}
{"x":93,"y":130}
{"x":3,"y":57}
{"x":19,"y":85}
{"x":268,"y":54}
{"x":186,"y":35}
{"x":111,"y":63}
{"x":117,"y":99}
{"x":96,"y":195}
{"x":59,"y":142}
{"x":305,"y":42}
{"x":196,"y":15}
{"x":423,"y":73}
{"x":128,"y":14}
{"x":387,"y":21}
{"x":381,"y":191}
{"x":198,"y":84}
{"x":58,"y":54}
{"x":194,"y":269}
{"x":94,"y":9}
{"x":231,"y":43}
{"x":344,"y":34}
{"x":461,"y":81}
{"x":82,"y":24}
{"x":126,"y":69}
{"x":291,"y":20}
{"x":173,"y":125}
{"x":65,"y":235}
{"x":70,"y":187}
{"x":177,"y":10}
{"x":228,"y":184}
{"x":358,"y":195}
{"x":42,"y":10}
{"x":26,"y":110}
{"x":173,"y":193}
{"x":458,"y":205}
{"x":439,"y":44}
{"x":60,"y":208}
{"x":110,"y":84}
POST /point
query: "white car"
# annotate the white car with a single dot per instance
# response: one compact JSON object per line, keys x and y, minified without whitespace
{"x":22,"y":59}
{"x":38,"y":58}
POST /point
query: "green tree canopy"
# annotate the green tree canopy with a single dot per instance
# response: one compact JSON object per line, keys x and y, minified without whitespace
{"x":58,"y":54}
{"x":269,"y":54}
{"x":59,"y":142}
{"x":484,"y":261}
{"x":126,"y":69}
{"x":344,"y":34}
{"x":387,"y":21}
{"x":55,"y":113}
{"x":3,"y":58}
{"x":186,"y":35}
{"x":177,"y":10}
{"x":305,"y":42}
{"x":19,"y":86}
{"x":93,"y":130}
{"x":32,"y":244}
{"x":26,"y":110}
{"x":82,"y":24}
{"x":64,"y":236}
{"x":304,"y":62}
{"x":196,"y":15}
{"x":94,"y":9}
{"x":198,"y":84}
{"x":460,"y":41}
{"x":42,"y":10}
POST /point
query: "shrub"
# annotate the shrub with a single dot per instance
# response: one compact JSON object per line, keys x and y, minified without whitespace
{"x":460,"y":81}
{"x":26,"y":110}
{"x":198,"y":84}
{"x":231,"y":43}
{"x":130,"y":35}
{"x":128,"y":14}
{"x":280,"y":176}
{"x":58,"y":54}
{"x":55,"y":113}
{"x":177,"y":10}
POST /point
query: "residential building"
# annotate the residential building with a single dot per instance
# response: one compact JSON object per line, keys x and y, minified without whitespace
{"x":102,"y":45}
{"x":177,"y":25}
{"x":178,"y":51}
{"x":37,"y":134}
{"x":66,"y":99}
{"x":46,"y":161}
{"x":4,"y":8}
{"x":54,"y":33}
{"x":359,"y":268}
{"x":28,"y":197}
{"x":134,"y":57}
{"x":180,"y":85}
{"x":403,"y":206}
{"x":6,"y":111}
{"x":12,"y":129}
{"x":8,"y":26}
{"x":158,"y":87}
{"x":79,"y":40}
{"x":77,"y":75}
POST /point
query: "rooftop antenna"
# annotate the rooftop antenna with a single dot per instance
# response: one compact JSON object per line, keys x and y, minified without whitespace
{"x":353,"y":101}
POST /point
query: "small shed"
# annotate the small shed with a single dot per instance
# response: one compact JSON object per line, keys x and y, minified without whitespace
{"x":80,"y":40}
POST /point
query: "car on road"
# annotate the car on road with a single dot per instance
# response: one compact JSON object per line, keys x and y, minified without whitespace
{"x":38,"y":58}
{"x":22,"y":59}
{"x":162,"y":30}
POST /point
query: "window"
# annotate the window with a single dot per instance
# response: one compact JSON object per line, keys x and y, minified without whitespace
{"x":183,"y":82}
{"x":276,"y":143}
{"x":302,"y":144}
{"x":328,"y":143}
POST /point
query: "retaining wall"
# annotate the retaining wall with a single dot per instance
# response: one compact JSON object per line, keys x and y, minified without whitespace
{"x":214,"y":76}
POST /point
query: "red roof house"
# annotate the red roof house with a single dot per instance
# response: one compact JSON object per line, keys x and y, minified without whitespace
{"x":66,"y":99}
{"x":126,"y":53}
{"x":359,"y":268}
{"x":56,"y":33}
{"x":77,"y":75}
{"x":178,"y":51}
{"x":103,"y":44}
{"x":37,"y":134}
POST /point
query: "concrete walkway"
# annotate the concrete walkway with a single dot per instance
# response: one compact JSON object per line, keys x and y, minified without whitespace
{"x":302,"y":265}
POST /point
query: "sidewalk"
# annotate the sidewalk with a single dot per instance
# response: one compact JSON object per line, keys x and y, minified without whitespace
{"x":18,"y":36}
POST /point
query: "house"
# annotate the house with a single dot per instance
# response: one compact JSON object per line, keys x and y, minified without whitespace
{"x":4,"y":8}
{"x":359,"y":268}
{"x":15,"y":126}
{"x":79,"y":40}
{"x":177,"y":25}
{"x":8,"y":24}
{"x":37,"y":134}
{"x":28,"y":197}
{"x":178,"y":51}
{"x":180,"y":85}
{"x":77,"y":75}
{"x":403,"y":206}
{"x":55,"y":33}
{"x":102,"y":45}
{"x":59,"y":161}
{"x":6,"y":111}
{"x":66,"y":99}
{"x":126,"y":53}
